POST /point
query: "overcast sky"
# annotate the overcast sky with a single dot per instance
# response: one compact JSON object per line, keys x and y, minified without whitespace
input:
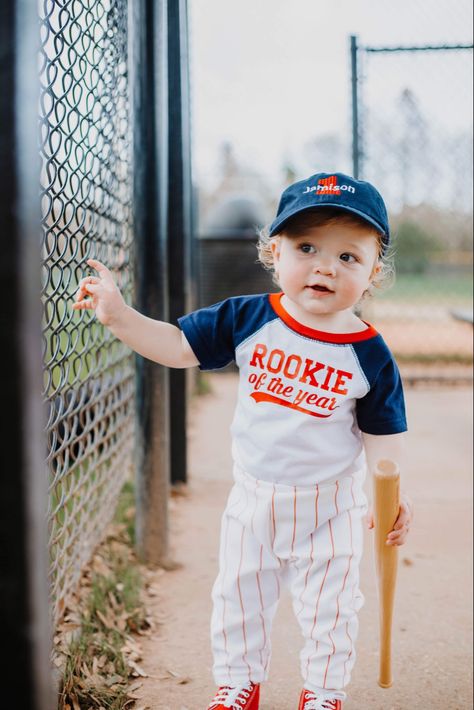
{"x":271,"y":75}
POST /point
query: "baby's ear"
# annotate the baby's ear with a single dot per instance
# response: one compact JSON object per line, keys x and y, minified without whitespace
{"x":376,"y":270}
{"x":275,"y":246}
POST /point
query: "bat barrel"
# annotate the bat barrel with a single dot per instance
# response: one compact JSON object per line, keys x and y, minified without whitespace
{"x":386,"y":508}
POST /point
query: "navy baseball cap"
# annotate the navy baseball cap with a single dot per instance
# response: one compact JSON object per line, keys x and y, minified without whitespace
{"x":333,"y":190}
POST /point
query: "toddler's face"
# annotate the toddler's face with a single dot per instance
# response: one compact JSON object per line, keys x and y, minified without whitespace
{"x":328,"y":269}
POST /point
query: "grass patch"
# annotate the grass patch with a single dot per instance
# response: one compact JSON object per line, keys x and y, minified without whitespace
{"x":202,"y":385}
{"x":430,"y":288}
{"x":125,"y":511}
{"x":96,"y":649}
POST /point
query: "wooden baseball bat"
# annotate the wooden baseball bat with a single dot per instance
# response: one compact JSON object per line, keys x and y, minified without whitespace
{"x":386,"y":508}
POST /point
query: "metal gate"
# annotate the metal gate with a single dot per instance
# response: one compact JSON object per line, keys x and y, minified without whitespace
{"x":412,"y":137}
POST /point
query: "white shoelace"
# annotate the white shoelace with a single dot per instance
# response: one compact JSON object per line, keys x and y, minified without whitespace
{"x":228,"y":697}
{"x":314,"y":702}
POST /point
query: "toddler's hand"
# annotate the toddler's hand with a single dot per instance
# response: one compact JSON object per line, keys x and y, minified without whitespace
{"x":402,"y":524}
{"x":106,"y":299}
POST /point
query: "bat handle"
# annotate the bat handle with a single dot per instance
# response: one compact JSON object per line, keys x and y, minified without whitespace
{"x":386,"y":508}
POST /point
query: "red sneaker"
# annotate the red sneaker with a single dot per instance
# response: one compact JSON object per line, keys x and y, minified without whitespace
{"x":245,"y":696}
{"x":310,"y":701}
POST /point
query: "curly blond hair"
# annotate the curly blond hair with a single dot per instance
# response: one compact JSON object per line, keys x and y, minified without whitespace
{"x":324,"y":216}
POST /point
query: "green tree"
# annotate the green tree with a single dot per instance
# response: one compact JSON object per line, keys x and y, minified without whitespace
{"x":413,"y":247}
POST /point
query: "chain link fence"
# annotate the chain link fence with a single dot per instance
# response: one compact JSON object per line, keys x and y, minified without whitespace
{"x":415,"y":144}
{"x":85,"y":150}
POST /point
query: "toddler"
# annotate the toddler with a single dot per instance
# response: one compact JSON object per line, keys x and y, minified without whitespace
{"x":319,"y":396}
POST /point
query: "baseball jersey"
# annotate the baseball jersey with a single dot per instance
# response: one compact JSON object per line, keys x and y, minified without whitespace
{"x":304,"y":395}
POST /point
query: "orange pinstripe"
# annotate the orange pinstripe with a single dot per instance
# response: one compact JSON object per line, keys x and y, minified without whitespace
{"x":294,"y":521}
{"x":316,"y":508}
{"x":349,"y":655}
{"x":311,"y":558}
{"x":273,"y":521}
{"x":261,"y":609}
{"x":329,"y":658}
{"x":347,"y":623}
{"x":273,"y":518}
{"x":244,"y":632}
{"x":338,"y":598}
{"x":320,"y":591}
{"x":224,"y":602}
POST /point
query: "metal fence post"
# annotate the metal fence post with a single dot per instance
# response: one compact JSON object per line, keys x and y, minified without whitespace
{"x":355,"y":108}
{"x":179,"y":216}
{"x":24,"y":558}
{"x":149,"y":87}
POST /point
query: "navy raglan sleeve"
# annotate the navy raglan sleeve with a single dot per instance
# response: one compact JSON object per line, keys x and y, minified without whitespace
{"x":210,"y":333}
{"x":382,"y":410}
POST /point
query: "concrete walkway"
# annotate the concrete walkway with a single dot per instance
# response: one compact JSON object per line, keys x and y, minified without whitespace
{"x":433,"y":621}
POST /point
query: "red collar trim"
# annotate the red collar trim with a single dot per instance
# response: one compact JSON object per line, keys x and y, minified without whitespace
{"x":275,"y":302}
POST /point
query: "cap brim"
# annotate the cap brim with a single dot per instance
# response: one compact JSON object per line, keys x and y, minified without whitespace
{"x":279,"y":223}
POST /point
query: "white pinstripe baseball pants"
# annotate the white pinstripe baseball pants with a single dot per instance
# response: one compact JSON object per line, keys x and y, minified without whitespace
{"x":308,"y":537}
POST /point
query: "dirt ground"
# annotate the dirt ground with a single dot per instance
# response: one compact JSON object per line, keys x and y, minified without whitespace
{"x":433,"y":620}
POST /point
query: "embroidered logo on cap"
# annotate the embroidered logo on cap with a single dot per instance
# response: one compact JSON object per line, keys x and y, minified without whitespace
{"x":329,"y":186}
